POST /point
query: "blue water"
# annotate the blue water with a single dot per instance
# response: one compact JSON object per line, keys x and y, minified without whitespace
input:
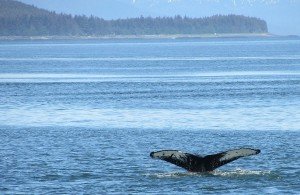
{"x":83,"y":116}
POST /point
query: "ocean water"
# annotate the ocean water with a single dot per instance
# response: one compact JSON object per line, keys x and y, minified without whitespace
{"x":83,"y":116}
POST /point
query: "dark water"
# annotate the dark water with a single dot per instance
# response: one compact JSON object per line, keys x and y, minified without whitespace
{"x":83,"y":116}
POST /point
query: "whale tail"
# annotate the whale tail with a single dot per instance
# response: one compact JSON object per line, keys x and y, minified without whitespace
{"x":196,"y":163}
{"x":216,"y":160}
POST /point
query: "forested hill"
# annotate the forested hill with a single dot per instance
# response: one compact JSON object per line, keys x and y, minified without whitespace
{"x":19,"y":19}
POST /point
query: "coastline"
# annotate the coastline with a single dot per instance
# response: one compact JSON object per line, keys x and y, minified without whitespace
{"x":160,"y":36}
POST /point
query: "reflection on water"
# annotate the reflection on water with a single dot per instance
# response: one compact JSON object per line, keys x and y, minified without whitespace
{"x":257,"y":118}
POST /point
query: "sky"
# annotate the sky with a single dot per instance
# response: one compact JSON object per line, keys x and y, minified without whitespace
{"x":282,"y":16}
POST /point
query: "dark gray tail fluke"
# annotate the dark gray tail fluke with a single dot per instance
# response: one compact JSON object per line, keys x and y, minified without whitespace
{"x":176,"y":157}
{"x":197,"y":163}
{"x":216,"y":160}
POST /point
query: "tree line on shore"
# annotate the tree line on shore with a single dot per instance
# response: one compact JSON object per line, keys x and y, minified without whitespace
{"x":19,"y":19}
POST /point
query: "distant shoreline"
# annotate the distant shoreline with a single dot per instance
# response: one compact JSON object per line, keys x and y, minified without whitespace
{"x":161,"y":36}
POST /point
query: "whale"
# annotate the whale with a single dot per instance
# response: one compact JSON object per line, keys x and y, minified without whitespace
{"x":197,"y":163}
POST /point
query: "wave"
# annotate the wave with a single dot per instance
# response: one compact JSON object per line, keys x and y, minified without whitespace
{"x":231,"y":173}
{"x":7,"y":76}
{"x":233,"y":58}
{"x":242,"y":172}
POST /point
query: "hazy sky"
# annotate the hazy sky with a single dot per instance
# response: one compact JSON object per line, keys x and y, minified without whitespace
{"x":282,"y":16}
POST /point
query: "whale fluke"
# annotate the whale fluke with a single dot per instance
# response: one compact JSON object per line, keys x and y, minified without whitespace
{"x":196,"y":163}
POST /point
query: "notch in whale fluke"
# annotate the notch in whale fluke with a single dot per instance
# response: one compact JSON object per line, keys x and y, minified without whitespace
{"x":196,"y":163}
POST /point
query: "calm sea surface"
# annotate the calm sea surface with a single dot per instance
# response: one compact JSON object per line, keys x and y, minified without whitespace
{"x":83,"y":116}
